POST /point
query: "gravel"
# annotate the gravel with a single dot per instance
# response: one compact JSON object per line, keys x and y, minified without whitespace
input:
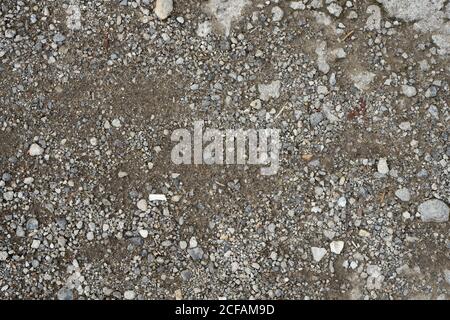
{"x":93,"y":208}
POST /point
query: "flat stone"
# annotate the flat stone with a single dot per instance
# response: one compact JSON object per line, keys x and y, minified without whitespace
{"x":270,"y":90}
{"x":433,"y":210}
{"x":65,"y":294}
{"x":195,"y":253}
{"x":318,"y":253}
{"x":403,"y":194}
{"x":337,"y":246}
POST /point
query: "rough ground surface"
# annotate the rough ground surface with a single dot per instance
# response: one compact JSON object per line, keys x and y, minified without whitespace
{"x":90,"y":92}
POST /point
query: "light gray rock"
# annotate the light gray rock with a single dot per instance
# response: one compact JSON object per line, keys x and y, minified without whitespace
{"x":35,"y":150}
{"x":409,"y":91}
{"x":65,"y":294}
{"x":268,"y":91}
{"x":412,"y":10}
{"x":403,"y":194}
{"x":382,"y":166}
{"x":163,"y":8}
{"x":195,"y":253}
{"x":433,"y":210}
{"x":318,"y":253}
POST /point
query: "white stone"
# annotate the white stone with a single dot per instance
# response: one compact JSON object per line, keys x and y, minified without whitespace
{"x":35,"y":244}
{"x":318,"y":253}
{"x":403,"y":194}
{"x":382,"y":166}
{"x":337,"y":246}
{"x":3,"y":255}
{"x":129,"y":295}
{"x":157,"y":197}
{"x":163,"y":8}
{"x":142,"y":205}
{"x":277,"y":14}
{"x":270,"y":90}
{"x":35,"y":150}
{"x":143,"y":233}
{"x":409,"y":91}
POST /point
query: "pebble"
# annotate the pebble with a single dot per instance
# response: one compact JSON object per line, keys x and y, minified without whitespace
{"x":183,"y":245}
{"x":142,"y":205}
{"x":403,"y":194}
{"x":32,"y":224}
{"x":195,"y":253}
{"x":335,"y":9}
{"x":342,"y":202}
{"x":315,"y":118}
{"x":6,"y":177}
{"x":409,"y":91}
{"x":382,"y":166}
{"x":65,"y":294}
{"x":277,"y":14}
{"x":143,"y":233}
{"x":3,"y":255}
{"x":271,"y":90}
{"x":163,"y":8}
{"x":433,"y":210}
{"x":318,"y":253}
{"x":337,"y":246}
{"x":35,"y":244}
{"x":35,"y":150}
{"x":129,"y":295}
{"x":116,"y":123}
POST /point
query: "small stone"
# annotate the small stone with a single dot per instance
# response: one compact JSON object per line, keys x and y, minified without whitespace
{"x":409,"y":91}
{"x":163,"y":8}
{"x":8,"y":196}
{"x":129,"y":295}
{"x":315,"y":118}
{"x":337,"y":246}
{"x":186,"y":275}
{"x":116,"y":123}
{"x":342,"y":202}
{"x":271,"y":90}
{"x":403,"y":194}
{"x":447,"y":275}
{"x":28,"y":180}
{"x":405,"y":126}
{"x":35,"y":244}
{"x":434,"y":210}
{"x":122,"y":174}
{"x":196,"y":253}
{"x":142,"y":205}
{"x":32,"y":224}
{"x":143,"y":233}
{"x":318,"y":253}
{"x":35,"y":150}
{"x":6,"y":177}
{"x":335,"y":9}
{"x":382,"y":166}
{"x":297,"y":5}
{"x":277,"y":14}
{"x":183,"y":245}
{"x":65,"y":294}
{"x":193,"y":242}
{"x":3,"y":255}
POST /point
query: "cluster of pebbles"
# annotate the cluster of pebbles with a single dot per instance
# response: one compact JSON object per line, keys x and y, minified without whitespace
{"x":91,"y":206}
